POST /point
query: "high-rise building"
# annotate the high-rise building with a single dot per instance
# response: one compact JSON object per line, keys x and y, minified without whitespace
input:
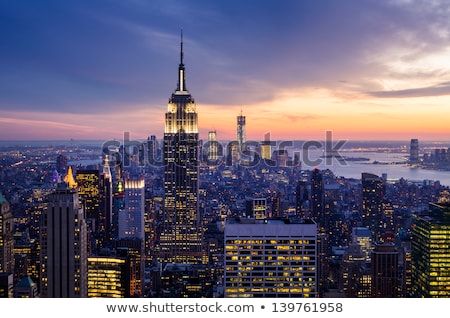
{"x":414,"y":151}
{"x":317,"y":198}
{"x":134,"y":249}
{"x":240,"y":132}
{"x":384,"y":267}
{"x":63,"y":245}
{"x":213,"y":150}
{"x":302,"y":200}
{"x":363,"y":237}
{"x":266,"y":149}
{"x":61,"y":164}
{"x":180,"y":238}
{"x":109,"y":275}
{"x":131,"y":219}
{"x":372,"y":198}
{"x":430,"y":254}
{"x":270,"y":258}
{"x":353,"y":270}
{"x":6,"y":237}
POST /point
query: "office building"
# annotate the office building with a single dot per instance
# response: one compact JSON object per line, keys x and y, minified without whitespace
{"x":180,"y":238}
{"x":213,"y":147}
{"x":270,"y":258}
{"x":63,"y":245}
{"x":240,"y":133}
{"x":430,"y":254}
{"x":6,"y":237}
{"x":414,"y":151}
{"x":385,"y":271}
{"x":372,"y":198}
{"x":131,"y":218}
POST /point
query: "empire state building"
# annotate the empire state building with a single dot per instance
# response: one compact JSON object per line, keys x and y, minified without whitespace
{"x":180,"y":238}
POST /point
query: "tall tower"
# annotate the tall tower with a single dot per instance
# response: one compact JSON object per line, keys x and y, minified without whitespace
{"x":414,"y":151}
{"x":131,"y":219}
{"x":430,"y":255}
{"x":317,"y":198}
{"x":372,"y":198}
{"x":6,"y":237}
{"x":181,"y":234}
{"x":213,"y":153}
{"x":63,"y":245}
{"x":241,"y":132}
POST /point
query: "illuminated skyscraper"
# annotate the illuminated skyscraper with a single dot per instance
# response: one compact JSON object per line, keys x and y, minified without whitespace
{"x":213,"y":146}
{"x":266,"y":149}
{"x":63,"y":245}
{"x":131,"y":219}
{"x":372,"y":198}
{"x":108,"y":277}
{"x":430,"y":255}
{"x":317,"y":198}
{"x":181,"y":233}
{"x":6,"y":237}
{"x":240,"y":133}
{"x":95,"y":191}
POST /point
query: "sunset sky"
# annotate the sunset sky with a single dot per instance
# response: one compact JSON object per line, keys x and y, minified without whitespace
{"x":94,"y":69}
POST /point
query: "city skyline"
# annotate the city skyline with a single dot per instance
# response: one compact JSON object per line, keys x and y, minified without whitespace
{"x":297,"y":69}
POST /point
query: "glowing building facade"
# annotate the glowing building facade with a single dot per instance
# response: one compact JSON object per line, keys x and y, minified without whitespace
{"x":270,"y":258}
{"x":108,"y":277}
{"x":180,"y":238}
{"x":430,"y":255}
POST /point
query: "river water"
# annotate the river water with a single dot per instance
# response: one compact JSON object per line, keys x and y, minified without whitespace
{"x":393,"y":164}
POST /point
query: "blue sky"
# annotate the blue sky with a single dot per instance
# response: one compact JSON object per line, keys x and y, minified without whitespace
{"x":93,"y":69}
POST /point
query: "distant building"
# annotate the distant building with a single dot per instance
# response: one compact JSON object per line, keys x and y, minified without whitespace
{"x":266,"y":149}
{"x":63,"y":258}
{"x":270,"y":258}
{"x":240,"y":132}
{"x":61,"y":164}
{"x":414,"y":151}
{"x":280,"y":157}
{"x":213,"y":147}
{"x":256,"y":208}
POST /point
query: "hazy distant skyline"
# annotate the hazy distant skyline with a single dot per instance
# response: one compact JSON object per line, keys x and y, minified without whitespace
{"x":364,"y":69}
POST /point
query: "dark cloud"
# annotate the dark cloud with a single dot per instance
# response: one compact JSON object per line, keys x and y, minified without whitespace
{"x":96,"y":55}
{"x":436,"y":90}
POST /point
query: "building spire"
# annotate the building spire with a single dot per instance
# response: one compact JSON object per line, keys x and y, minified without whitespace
{"x":181,"y":80}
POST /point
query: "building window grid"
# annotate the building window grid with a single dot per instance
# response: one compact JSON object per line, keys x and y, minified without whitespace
{"x":297,"y":276}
